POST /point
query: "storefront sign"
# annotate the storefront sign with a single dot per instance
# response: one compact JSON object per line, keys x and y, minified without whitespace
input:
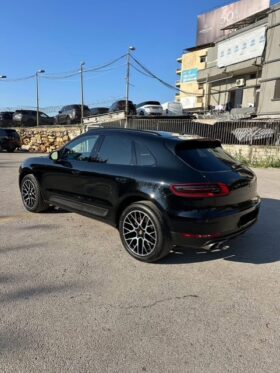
{"x":189,"y":75}
{"x":242,"y":47}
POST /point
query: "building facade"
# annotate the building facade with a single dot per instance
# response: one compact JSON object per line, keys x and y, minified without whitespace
{"x":191,"y":94}
{"x":269,"y":96}
{"x":242,"y":69}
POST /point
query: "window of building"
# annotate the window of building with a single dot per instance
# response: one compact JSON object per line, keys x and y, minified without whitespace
{"x":203,"y":58}
{"x":277,"y":90}
{"x":116,"y":150}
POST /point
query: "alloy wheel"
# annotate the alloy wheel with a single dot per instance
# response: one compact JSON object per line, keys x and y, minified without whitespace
{"x":28,"y":193}
{"x":139,"y":233}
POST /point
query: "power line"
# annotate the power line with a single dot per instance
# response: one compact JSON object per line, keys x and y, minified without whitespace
{"x":77,"y":72}
{"x":18,"y":79}
{"x":106,"y":65}
{"x":99,"y":72}
{"x":64,"y":75}
{"x":152,"y":75}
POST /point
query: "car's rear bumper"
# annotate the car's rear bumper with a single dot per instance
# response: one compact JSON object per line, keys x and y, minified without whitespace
{"x":209,"y":231}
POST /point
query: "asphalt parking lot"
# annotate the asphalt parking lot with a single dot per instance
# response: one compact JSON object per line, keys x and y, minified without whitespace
{"x":72,"y":299}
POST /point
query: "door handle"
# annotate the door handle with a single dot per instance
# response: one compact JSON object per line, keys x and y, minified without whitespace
{"x":121,"y":179}
{"x":75,"y":172}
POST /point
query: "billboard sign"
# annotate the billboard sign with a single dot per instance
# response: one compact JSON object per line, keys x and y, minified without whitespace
{"x":189,"y":75}
{"x":241,"y":47}
{"x":209,"y":24}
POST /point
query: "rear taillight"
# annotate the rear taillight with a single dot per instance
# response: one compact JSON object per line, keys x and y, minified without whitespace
{"x":200,"y":190}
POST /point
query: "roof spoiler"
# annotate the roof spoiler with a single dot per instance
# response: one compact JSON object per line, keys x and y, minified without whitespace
{"x":198,"y":143}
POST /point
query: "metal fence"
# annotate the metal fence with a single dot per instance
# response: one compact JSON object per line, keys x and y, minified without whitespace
{"x":233,"y":132}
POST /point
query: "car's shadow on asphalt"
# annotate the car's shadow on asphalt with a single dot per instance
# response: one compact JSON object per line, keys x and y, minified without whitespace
{"x":259,"y":245}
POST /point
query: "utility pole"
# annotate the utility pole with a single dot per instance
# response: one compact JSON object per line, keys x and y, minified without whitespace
{"x":37,"y":93}
{"x":130,"y":49}
{"x":82,"y":90}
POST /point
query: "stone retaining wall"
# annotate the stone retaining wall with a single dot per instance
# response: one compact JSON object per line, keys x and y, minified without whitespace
{"x":46,"y":139}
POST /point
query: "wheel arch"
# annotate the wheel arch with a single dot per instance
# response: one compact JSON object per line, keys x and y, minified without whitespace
{"x":26,"y":171}
{"x":132,"y":199}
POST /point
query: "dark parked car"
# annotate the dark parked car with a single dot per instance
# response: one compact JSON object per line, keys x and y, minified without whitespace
{"x":71,"y":114}
{"x":99,"y":110}
{"x":28,"y":118}
{"x":9,"y":139}
{"x":6,"y":118}
{"x":120,"y":106}
{"x":159,"y":190}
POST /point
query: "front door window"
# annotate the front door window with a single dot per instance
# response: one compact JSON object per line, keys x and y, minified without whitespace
{"x":80,"y":149}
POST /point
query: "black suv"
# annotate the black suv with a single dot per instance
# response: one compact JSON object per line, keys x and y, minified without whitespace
{"x":71,"y":114}
{"x":6,"y":118}
{"x":9,"y":140}
{"x":159,"y":190}
{"x":99,"y":110}
{"x":120,"y":106}
{"x":28,"y":118}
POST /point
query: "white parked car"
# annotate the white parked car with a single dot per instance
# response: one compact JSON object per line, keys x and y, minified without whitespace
{"x":149,"y":108}
{"x":172,"y":108}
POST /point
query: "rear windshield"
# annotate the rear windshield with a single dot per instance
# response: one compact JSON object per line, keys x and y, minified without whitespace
{"x":206,"y":158}
{"x":148,"y":103}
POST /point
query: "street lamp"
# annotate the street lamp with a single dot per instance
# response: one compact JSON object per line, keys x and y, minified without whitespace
{"x":3,"y":76}
{"x":130,"y":49}
{"x":41,"y":71}
{"x":82,"y":90}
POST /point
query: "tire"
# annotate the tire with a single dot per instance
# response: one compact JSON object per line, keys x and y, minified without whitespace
{"x":11,"y":149}
{"x":148,"y":241}
{"x":31,"y":194}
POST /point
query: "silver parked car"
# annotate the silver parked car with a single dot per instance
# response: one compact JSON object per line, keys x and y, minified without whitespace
{"x":149,"y":108}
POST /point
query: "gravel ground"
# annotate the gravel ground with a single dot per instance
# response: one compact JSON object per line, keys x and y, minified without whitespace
{"x":72,"y":299}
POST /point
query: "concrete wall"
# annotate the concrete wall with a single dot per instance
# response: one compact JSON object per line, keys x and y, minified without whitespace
{"x":46,"y":139}
{"x":221,"y":80}
{"x":254,"y":153}
{"x":220,"y":91}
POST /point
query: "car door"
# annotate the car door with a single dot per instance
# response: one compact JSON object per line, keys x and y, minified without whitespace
{"x":113,"y":172}
{"x":65,"y":180}
{"x":62,"y":115}
{"x":44,"y":119}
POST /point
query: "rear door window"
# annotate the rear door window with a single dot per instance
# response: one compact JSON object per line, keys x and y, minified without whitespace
{"x":143,"y":155}
{"x":116,"y":150}
{"x":207,"y":158}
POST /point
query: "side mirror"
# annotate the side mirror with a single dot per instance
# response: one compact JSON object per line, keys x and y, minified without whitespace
{"x":59,"y":112}
{"x":54,"y":155}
